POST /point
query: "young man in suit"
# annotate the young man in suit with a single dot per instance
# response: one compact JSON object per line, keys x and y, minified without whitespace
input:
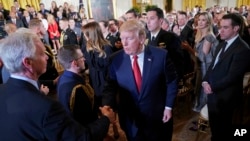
{"x":146,"y":82}
{"x":68,"y":36}
{"x":223,"y":82}
{"x":24,"y":111}
{"x":164,"y":39}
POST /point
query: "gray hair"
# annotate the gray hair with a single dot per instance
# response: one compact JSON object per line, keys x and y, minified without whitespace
{"x":16,"y":47}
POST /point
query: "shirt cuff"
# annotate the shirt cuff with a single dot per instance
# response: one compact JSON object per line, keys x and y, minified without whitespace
{"x":168,"y":108}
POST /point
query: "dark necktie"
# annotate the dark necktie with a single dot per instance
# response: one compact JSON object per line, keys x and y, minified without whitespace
{"x":223,"y":49}
{"x":153,"y":39}
{"x":137,"y":73}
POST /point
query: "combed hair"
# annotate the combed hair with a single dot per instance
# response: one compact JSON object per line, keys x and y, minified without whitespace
{"x":66,"y":54}
{"x":96,"y":41}
{"x":133,"y":26}
{"x":16,"y":47}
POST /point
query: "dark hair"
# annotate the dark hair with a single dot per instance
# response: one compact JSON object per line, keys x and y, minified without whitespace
{"x":105,"y":23}
{"x":133,"y":11}
{"x":159,"y":11}
{"x":116,"y":21}
{"x":236,"y":20}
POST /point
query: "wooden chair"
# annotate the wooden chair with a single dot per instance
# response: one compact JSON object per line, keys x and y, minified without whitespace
{"x":185,"y":90}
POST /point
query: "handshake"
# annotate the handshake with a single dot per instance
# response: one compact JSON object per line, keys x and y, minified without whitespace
{"x":108,"y":112}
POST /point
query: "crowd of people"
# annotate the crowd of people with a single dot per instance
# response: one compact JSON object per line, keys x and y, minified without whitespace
{"x":131,"y":66}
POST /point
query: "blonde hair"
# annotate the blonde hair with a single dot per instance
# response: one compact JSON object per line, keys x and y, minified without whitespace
{"x":209,"y":28}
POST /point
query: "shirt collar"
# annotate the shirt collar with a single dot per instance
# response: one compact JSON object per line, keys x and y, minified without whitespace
{"x":33,"y":82}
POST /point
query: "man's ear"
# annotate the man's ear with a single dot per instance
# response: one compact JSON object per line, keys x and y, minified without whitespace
{"x":27,"y":62}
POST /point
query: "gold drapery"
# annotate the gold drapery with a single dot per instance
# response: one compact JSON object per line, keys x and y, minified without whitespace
{"x":8,"y":3}
{"x":191,"y":4}
{"x":243,"y":2}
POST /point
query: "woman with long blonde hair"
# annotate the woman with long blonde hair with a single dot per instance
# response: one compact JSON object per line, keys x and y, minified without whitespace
{"x":205,"y":44}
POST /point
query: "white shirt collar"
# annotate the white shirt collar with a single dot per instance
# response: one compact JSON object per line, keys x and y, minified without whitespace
{"x":33,"y":82}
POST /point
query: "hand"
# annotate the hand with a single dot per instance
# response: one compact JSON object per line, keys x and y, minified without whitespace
{"x":108,"y":112}
{"x":207,"y":88}
{"x":167,"y":115}
{"x":44,"y":89}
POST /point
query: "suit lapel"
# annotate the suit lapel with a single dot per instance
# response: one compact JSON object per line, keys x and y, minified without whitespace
{"x":230,"y":50}
{"x":127,"y":74}
{"x":147,"y":65}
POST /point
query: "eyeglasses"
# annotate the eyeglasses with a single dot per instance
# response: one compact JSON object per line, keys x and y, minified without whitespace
{"x":77,"y":58}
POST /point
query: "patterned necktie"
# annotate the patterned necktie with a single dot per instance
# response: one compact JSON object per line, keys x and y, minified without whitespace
{"x":61,"y":37}
{"x":137,"y":73}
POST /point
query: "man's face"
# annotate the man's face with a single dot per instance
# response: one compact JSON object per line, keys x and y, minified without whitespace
{"x":153,"y":22}
{"x":132,"y":44}
{"x":39,"y":63}
{"x":182,"y":19}
{"x":227,"y":31}
{"x":112,"y":26}
{"x":80,"y":60}
{"x":130,"y":16}
{"x":63,"y":25}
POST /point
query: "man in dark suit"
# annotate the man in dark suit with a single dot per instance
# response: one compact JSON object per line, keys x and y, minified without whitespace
{"x":164,"y":39}
{"x":114,"y":35}
{"x":183,"y":29}
{"x":15,"y":20}
{"x":223,"y":82}
{"x":68,"y":36}
{"x":26,"y":114}
{"x":43,"y":10}
{"x":146,"y":89}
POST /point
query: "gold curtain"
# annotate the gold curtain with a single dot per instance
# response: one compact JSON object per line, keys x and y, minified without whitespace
{"x":191,"y":3}
{"x":243,"y":2}
{"x":8,"y":3}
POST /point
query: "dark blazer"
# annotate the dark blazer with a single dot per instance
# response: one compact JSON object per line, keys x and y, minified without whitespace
{"x":25,"y":22}
{"x":226,"y":81}
{"x":187,"y":34}
{"x":172,"y":43}
{"x":113,"y":39}
{"x":19,"y":22}
{"x":144,"y":109}
{"x":83,"y":111}
{"x":69,"y":37}
{"x":26,"y":114}
{"x":98,"y":68}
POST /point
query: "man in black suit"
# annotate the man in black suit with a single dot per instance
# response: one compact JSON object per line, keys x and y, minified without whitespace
{"x":223,"y":82}
{"x":164,"y":39}
{"x":15,"y":20}
{"x":184,"y":30}
{"x":68,"y":36}
{"x":114,"y":35}
{"x":26,"y":114}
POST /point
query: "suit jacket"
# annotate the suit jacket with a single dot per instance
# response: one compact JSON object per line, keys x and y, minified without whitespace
{"x":172,"y":43}
{"x":187,"y":34}
{"x":19,"y":22}
{"x":25,"y":22}
{"x":159,"y":89}
{"x":82,"y":112}
{"x":113,"y":39}
{"x":226,"y":78}
{"x":26,"y":114}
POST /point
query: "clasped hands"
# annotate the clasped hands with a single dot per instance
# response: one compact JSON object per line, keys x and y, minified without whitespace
{"x":108,"y":112}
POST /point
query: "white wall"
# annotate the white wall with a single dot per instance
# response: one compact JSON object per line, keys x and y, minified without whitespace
{"x":122,"y":7}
